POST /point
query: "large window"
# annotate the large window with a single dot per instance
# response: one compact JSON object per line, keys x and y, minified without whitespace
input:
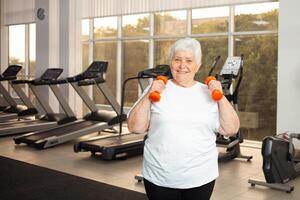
{"x":162,"y":51}
{"x":32,"y":51}
{"x":256,"y":37}
{"x":211,"y":48}
{"x":134,"y":49}
{"x":106,"y":51}
{"x":143,"y":40}
{"x":135,"y":25}
{"x":257,"y":98}
{"x":171,"y":23}
{"x":105,"y":27}
{"x":21,"y":51}
{"x":256,"y":17}
{"x":17,"y":46}
{"x":210,"y":20}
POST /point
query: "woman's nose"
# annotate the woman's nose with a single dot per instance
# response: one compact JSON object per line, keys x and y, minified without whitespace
{"x":182,"y":64}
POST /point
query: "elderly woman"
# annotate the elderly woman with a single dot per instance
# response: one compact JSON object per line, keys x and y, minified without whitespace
{"x":180,"y":154}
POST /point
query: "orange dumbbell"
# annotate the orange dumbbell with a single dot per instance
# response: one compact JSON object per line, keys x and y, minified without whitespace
{"x":216,"y":94}
{"x":155,"y":96}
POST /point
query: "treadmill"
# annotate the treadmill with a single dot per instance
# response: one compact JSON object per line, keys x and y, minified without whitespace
{"x":10,"y":73}
{"x":96,"y":121}
{"x":125,"y":144}
{"x":50,"y":119}
{"x":13,"y":110}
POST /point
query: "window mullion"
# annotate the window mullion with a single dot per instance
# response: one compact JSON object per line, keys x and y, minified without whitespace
{"x":119,"y":60}
{"x":231,"y":31}
{"x":27,"y":58}
{"x":151,"y":41}
{"x":189,"y":22}
{"x":91,"y":50}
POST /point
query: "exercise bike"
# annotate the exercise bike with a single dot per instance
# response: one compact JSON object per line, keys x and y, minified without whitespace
{"x":230,"y":76}
{"x":280,"y":165}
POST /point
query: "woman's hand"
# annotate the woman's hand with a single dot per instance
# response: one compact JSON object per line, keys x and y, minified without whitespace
{"x":215,"y":85}
{"x":158,"y":86}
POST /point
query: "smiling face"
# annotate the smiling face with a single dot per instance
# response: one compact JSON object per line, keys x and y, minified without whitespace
{"x":184,"y":68}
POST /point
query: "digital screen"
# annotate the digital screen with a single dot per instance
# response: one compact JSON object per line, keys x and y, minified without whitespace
{"x":50,"y":74}
{"x":12,"y":70}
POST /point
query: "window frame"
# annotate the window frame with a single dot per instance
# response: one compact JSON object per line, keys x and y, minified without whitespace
{"x":231,"y":34}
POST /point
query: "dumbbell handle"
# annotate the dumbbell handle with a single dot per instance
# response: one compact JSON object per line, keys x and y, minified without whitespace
{"x":216,"y":94}
{"x":155,"y":96}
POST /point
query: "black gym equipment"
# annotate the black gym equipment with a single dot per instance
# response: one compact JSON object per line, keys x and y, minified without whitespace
{"x":96,"y":121}
{"x":7,"y":102}
{"x":231,"y":74}
{"x":127,"y":144}
{"x":50,"y":119}
{"x":12,"y":110}
{"x":280,"y":164}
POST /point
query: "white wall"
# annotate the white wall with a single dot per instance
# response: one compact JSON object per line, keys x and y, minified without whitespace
{"x":288,"y":93}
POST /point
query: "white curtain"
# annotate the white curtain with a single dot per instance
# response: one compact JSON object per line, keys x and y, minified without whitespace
{"x":101,"y":8}
{"x":17,"y":11}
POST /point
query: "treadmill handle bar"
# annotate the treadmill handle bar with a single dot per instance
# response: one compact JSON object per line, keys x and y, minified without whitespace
{"x":123,"y":96}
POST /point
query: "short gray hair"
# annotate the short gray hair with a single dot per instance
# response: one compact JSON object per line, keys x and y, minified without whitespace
{"x":187,"y":44}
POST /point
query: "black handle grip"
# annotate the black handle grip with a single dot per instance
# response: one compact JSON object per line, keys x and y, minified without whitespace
{"x":58,"y":81}
{"x":75,"y":78}
{"x":154,"y":72}
{"x":21,"y":81}
{"x":40,"y":82}
{"x":91,"y":81}
{"x":86,"y":82}
{"x":7,"y":78}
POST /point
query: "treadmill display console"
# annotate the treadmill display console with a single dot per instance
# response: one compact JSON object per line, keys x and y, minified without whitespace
{"x":51,"y":74}
{"x":96,"y":68}
{"x":231,"y":66}
{"x":158,"y":70}
{"x":11,"y":70}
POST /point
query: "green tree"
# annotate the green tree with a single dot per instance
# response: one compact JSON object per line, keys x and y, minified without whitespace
{"x":139,"y":29}
{"x":258,"y":91}
{"x":257,"y":22}
{"x":210,"y":25}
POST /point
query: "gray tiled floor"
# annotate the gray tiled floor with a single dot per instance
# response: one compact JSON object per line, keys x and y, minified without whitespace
{"x":231,"y":184}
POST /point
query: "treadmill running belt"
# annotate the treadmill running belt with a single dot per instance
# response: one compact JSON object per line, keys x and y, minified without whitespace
{"x":59,"y":131}
{"x":119,"y":147}
{"x":22,"y":123}
{"x":117,"y":141}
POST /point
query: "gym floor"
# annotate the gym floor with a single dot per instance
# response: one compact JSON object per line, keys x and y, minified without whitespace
{"x":231,"y":185}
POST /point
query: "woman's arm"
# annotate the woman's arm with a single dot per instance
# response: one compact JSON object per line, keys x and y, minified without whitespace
{"x":139,"y":117}
{"x":229,"y":120}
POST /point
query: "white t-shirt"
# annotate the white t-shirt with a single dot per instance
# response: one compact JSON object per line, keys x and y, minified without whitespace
{"x":180,"y":151}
